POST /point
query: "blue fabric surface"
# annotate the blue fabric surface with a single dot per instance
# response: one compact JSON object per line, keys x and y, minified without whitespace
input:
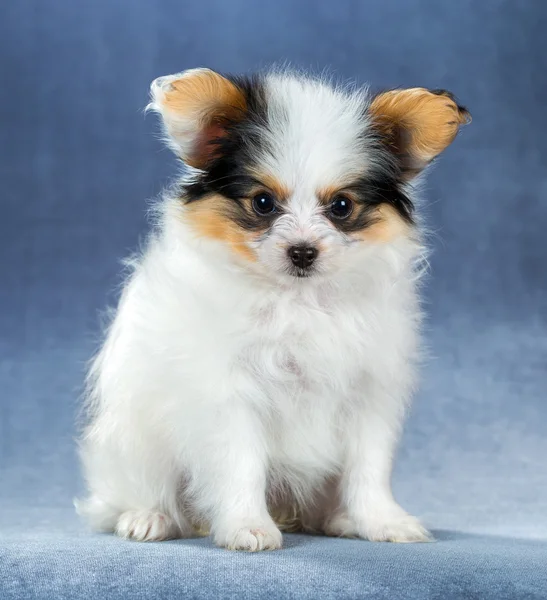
{"x":79,"y":160}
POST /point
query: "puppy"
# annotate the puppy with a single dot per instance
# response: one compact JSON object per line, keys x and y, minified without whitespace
{"x":256,"y":373}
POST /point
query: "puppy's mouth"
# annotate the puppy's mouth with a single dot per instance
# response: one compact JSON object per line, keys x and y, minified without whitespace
{"x":300,"y":273}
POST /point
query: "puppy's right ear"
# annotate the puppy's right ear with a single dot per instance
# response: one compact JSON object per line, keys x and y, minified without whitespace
{"x":196,"y":107}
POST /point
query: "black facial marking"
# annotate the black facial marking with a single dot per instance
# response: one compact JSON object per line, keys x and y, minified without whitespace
{"x":385,"y":188}
{"x":383,"y":184}
{"x":228,"y":172}
{"x":241,"y":212}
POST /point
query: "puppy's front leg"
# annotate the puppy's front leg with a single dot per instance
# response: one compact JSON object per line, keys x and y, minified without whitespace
{"x":367,"y":507}
{"x":230,"y":479}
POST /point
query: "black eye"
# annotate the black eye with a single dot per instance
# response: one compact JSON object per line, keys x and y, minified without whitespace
{"x":341,"y":207}
{"x":264,"y":204}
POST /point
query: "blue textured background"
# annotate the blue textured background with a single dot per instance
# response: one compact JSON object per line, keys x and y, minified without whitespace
{"x":78,"y":162}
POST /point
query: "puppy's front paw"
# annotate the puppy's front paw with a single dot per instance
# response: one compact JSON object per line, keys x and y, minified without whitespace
{"x":147,"y":526}
{"x":393,"y":525}
{"x":249,"y":536}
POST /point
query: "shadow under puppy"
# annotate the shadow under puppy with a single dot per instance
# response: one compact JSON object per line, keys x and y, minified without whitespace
{"x":256,"y":373}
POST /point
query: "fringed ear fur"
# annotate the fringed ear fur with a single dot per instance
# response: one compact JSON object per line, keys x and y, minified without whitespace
{"x":196,"y":106}
{"x":417,"y":124}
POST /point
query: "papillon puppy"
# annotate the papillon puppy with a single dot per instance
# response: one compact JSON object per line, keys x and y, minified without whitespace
{"x":255,"y":376}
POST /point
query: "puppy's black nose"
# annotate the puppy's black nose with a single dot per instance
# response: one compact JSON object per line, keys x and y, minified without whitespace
{"x":302,"y":256}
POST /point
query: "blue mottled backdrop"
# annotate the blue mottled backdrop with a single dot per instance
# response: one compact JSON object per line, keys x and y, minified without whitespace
{"x":79,"y":161}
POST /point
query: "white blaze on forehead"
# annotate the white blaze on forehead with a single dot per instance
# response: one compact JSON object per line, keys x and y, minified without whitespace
{"x":316,"y":137}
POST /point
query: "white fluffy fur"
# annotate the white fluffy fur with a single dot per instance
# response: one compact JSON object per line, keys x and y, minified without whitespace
{"x":226,"y":390}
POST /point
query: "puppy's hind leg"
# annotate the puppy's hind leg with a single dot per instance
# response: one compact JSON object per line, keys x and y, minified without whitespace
{"x":143,"y":525}
{"x":131,"y":495}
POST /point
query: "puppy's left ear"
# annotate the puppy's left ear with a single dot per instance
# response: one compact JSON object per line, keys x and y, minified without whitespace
{"x":196,"y":107}
{"x":417,"y":124}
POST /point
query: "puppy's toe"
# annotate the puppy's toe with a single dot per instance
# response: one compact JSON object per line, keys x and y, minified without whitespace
{"x":385,"y":526}
{"x":403,"y":530}
{"x":147,"y":526}
{"x":250,"y":537}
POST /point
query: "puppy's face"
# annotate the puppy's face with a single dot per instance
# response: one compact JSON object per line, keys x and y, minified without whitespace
{"x":296,"y":178}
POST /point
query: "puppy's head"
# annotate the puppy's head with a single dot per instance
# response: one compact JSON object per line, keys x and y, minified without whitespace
{"x":295,"y":177}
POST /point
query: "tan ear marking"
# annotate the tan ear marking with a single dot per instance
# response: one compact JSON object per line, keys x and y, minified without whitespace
{"x":418,"y":123}
{"x":204,"y":94}
{"x":196,"y":106}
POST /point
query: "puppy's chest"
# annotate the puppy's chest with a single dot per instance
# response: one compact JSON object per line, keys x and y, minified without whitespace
{"x":307,"y":362}
{"x":303,"y":349}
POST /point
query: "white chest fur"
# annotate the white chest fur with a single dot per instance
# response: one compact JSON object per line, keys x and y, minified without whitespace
{"x":310,"y":355}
